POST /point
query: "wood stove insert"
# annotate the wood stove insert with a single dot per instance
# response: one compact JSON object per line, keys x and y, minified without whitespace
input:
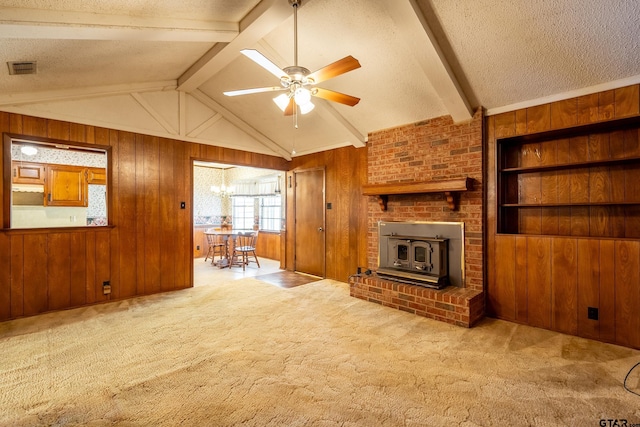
{"x":429,"y":254}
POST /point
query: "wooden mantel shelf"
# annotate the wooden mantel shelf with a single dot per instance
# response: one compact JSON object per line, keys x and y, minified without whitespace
{"x":450,"y":188}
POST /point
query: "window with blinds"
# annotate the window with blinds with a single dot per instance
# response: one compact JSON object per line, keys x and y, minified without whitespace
{"x":270,"y":213}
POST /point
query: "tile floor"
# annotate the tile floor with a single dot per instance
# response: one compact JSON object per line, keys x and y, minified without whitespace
{"x":204,"y":273}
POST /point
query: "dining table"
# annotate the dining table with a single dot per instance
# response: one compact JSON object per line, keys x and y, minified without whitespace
{"x":229,"y":238}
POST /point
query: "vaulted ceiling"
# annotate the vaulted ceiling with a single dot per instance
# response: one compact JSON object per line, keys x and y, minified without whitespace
{"x":160,"y":67}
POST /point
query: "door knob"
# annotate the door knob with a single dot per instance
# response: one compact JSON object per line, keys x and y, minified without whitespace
{"x":320,"y":229}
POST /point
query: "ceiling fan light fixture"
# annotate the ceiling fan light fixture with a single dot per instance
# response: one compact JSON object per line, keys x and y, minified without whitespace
{"x":307,"y":108}
{"x":282,"y":101}
{"x":302,"y":96}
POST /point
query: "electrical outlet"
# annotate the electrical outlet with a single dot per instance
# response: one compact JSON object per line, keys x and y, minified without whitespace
{"x":197,"y":247}
{"x":592,"y":313}
{"x":106,"y":287}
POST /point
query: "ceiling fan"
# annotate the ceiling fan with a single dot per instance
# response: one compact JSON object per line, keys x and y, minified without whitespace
{"x":298,"y":82}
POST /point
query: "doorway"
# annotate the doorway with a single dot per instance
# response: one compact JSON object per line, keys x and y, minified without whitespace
{"x":228,"y":197}
{"x":310,"y":222}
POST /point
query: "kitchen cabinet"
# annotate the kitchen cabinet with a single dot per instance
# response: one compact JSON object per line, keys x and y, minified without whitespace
{"x":66,"y":186}
{"x":27,"y":172}
{"x":97,"y":176}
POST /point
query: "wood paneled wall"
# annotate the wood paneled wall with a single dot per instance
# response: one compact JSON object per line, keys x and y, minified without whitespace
{"x":346,"y":221}
{"x":148,"y":249}
{"x":268,"y":245}
{"x":549,"y":281}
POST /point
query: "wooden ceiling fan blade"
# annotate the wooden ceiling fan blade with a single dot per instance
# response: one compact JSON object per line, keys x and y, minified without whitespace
{"x":264,"y":62}
{"x":290,"y":108}
{"x":253,"y":90}
{"x":344,"y":65}
{"x":331,"y":95}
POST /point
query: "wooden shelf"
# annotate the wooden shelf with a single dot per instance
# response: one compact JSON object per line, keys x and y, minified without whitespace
{"x":604,"y":126}
{"x":566,"y":205}
{"x":575,"y":165}
{"x":450,"y":188}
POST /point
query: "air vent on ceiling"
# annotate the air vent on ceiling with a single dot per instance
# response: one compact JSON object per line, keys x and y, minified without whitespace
{"x":22,"y":67}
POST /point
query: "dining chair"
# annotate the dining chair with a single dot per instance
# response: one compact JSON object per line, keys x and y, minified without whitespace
{"x":244,"y":248}
{"x":217,"y":246}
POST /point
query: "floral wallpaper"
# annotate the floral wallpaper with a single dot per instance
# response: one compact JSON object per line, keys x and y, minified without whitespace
{"x":207,"y":206}
{"x":210,"y":208}
{"x":59,"y":156}
{"x":97,"y":201}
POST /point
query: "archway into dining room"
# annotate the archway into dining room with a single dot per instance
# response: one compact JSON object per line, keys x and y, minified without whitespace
{"x":229,"y":200}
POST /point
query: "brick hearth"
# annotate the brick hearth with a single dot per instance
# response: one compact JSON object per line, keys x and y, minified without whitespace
{"x":432,"y":150}
{"x":458,"y":306}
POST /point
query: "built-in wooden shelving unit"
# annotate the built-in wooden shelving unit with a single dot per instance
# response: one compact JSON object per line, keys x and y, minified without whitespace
{"x":580,"y":181}
{"x":563,"y":216}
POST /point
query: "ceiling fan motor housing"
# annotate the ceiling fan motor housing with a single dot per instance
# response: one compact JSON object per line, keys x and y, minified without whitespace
{"x":296,"y":74}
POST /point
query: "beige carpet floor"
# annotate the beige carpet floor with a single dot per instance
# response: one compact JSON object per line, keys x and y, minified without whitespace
{"x":252,"y":354}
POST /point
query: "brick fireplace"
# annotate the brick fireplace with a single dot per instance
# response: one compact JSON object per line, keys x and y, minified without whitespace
{"x":433,"y":151}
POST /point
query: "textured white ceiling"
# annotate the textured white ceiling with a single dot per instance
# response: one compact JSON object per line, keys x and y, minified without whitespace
{"x":497,"y":53}
{"x":515,"y":51}
{"x":72,"y":63}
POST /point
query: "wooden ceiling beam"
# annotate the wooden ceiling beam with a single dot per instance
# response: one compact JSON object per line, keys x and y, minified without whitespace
{"x":25,"y":98}
{"x":22,"y":23}
{"x":424,"y":47}
{"x":334,"y":118}
{"x":263,"y":19}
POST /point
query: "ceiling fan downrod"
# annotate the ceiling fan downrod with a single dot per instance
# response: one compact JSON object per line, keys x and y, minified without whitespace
{"x":296,"y":76}
{"x":295,"y":4}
